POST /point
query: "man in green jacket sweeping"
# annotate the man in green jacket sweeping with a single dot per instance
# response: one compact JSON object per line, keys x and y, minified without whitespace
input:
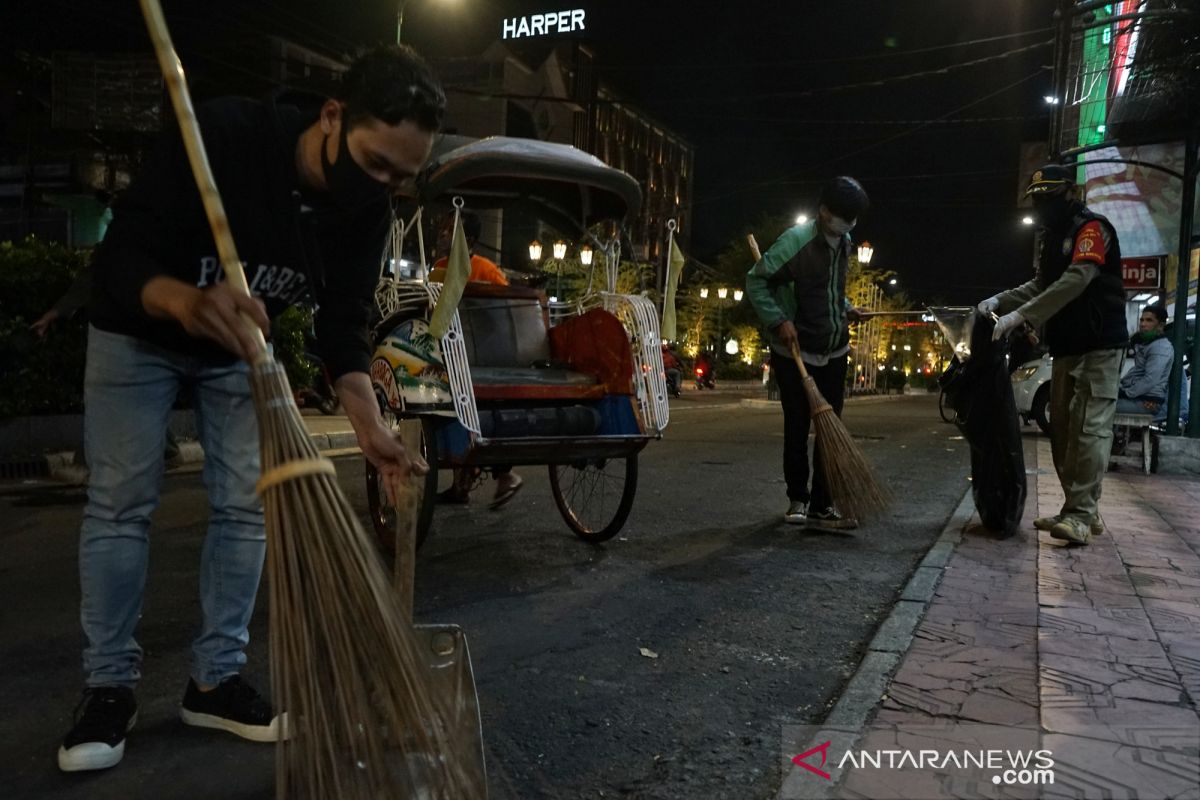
{"x":798,"y":288}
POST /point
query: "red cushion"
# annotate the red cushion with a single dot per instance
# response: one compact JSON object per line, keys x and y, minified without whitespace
{"x":595,"y":342}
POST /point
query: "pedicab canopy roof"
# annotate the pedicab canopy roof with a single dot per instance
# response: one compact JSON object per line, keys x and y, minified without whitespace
{"x":503,"y":171}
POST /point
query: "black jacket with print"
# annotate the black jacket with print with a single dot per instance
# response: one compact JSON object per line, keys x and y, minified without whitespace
{"x":295,"y":246}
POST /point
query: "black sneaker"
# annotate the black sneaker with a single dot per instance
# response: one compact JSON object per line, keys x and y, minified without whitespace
{"x":831,"y":520}
{"x":453,"y":497}
{"x":233,"y":706}
{"x":102,"y":718}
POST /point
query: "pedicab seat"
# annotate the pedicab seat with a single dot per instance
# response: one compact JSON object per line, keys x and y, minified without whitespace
{"x":507,"y":337}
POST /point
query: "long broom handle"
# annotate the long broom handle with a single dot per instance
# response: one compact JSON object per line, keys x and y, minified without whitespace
{"x":189,"y":127}
{"x":795,"y":348}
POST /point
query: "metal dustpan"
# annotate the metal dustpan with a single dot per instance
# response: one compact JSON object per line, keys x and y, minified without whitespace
{"x":443,"y":645}
{"x":956,"y":323}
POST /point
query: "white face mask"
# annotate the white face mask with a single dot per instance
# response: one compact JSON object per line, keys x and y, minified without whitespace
{"x":840,"y":227}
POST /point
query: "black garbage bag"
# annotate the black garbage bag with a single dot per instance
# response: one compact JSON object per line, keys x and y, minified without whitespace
{"x":979,"y":391}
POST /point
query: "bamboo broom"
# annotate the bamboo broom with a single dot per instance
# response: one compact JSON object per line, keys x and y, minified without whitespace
{"x":361,"y":719}
{"x":848,"y":475}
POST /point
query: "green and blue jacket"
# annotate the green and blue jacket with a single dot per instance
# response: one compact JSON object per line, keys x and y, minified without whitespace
{"x":802,"y":278}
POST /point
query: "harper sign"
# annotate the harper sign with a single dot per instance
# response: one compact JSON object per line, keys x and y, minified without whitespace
{"x":1142,"y":273}
{"x":544,"y":24}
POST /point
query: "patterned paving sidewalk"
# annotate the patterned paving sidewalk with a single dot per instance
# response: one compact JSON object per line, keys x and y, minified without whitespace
{"x":1032,"y":651}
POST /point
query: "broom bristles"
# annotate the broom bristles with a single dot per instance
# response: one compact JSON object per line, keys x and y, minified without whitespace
{"x":849,"y":477}
{"x":362,"y":719}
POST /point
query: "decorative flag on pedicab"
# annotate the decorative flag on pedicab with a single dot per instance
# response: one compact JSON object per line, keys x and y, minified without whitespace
{"x":458,"y":272}
{"x":674,"y":269}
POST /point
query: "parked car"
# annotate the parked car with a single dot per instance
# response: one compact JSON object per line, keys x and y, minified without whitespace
{"x":1031,"y":391}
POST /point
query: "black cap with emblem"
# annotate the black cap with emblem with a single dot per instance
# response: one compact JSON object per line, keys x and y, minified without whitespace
{"x":1051,"y":178}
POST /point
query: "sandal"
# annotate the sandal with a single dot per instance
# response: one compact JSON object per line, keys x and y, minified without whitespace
{"x":506,"y":492}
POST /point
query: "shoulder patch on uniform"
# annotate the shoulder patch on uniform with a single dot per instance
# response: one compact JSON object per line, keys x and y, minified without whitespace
{"x":1089,"y":243}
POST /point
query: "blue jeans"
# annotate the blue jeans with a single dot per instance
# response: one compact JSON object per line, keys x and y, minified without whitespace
{"x":1134,"y":405}
{"x":129,"y":389}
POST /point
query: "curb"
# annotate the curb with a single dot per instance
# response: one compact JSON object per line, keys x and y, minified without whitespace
{"x":864,"y":690}
{"x":756,"y":402}
{"x":61,"y":466}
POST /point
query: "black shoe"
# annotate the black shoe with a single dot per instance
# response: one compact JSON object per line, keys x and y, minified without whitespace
{"x":453,"y":497}
{"x":233,"y":706}
{"x":831,"y":520}
{"x":97,"y":741}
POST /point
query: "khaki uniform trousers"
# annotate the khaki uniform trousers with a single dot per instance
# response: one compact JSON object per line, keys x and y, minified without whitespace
{"x":1083,"y":398}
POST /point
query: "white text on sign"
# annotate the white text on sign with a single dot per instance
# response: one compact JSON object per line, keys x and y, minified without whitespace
{"x":544,"y":24}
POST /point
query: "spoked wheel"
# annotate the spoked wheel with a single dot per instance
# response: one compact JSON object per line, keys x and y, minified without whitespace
{"x":944,"y":407}
{"x":595,"y":496}
{"x":383,"y":516}
{"x":1041,"y":409}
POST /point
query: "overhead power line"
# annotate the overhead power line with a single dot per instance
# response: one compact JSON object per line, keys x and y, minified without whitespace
{"x":710,"y":65}
{"x":887,"y":140}
{"x":801,"y":121}
{"x":878,"y":82}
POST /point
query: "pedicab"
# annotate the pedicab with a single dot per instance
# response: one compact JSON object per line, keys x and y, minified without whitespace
{"x":518,"y":380}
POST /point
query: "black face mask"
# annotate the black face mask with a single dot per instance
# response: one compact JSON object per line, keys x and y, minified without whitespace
{"x":348,"y":183}
{"x":1053,"y":211}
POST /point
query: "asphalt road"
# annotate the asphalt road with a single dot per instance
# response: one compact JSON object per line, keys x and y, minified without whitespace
{"x":752,"y":624}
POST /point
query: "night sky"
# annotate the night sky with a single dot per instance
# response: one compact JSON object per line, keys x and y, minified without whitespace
{"x":745,"y":83}
{"x":748,"y":84}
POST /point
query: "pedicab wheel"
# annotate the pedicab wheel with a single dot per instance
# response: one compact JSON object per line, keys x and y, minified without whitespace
{"x":595,"y":496}
{"x":383,"y":516}
{"x":946,"y":410}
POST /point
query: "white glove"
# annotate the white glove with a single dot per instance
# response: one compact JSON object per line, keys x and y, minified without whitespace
{"x":1007,"y":324}
{"x":989,"y":305}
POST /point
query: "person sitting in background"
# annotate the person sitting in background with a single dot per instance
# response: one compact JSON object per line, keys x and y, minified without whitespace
{"x":483,"y":270}
{"x":672,"y":366}
{"x":1143,"y":389}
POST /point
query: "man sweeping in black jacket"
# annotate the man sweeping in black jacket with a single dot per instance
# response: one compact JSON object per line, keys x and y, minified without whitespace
{"x":306,"y":191}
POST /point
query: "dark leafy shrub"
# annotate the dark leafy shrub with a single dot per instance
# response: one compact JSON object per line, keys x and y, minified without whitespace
{"x":40,"y":376}
{"x":45,"y":376}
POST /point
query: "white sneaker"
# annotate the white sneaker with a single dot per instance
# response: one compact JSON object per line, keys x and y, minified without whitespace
{"x":797,"y":513}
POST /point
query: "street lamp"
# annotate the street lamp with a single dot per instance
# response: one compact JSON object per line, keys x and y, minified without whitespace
{"x":535,"y":250}
{"x":560,"y":252}
{"x":1026,"y":220}
{"x":865,"y":253}
{"x":722,"y":293}
{"x":737,"y":295}
{"x":704,"y":293}
{"x":585,"y":256}
{"x":400,"y":18}
{"x":801,"y":219}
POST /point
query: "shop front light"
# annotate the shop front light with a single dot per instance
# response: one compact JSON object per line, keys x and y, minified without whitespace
{"x":1024,"y":374}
